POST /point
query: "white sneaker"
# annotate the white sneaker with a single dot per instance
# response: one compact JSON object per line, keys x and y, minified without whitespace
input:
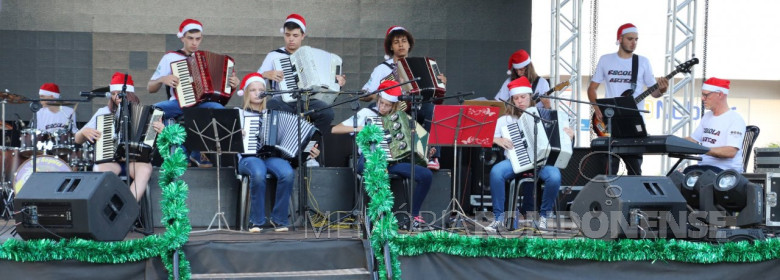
{"x":495,"y":226}
{"x":312,"y":163}
{"x":542,"y":223}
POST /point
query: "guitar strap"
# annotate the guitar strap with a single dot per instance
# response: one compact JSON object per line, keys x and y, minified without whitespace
{"x":634,"y":71}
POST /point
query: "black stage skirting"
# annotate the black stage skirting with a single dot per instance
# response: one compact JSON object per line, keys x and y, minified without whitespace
{"x":442,"y":266}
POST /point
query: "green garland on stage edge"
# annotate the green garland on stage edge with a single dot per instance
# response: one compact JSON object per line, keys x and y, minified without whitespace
{"x":174,"y":211}
{"x":386,"y":231}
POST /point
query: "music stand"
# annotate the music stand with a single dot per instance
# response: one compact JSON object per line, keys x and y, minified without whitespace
{"x":462,"y":126}
{"x":625,"y":123}
{"x":215,"y":131}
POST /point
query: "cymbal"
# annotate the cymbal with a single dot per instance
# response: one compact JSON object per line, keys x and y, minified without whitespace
{"x":7,"y":126}
{"x":12,"y":98}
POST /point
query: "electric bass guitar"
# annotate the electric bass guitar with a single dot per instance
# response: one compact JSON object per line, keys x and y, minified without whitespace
{"x":600,"y":128}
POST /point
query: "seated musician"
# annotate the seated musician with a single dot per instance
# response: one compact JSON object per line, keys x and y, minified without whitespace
{"x":254,"y":104}
{"x":387,"y":104}
{"x":520,"y":65}
{"x":52,"y":117}
{"x":190,"y":33}
{"x":294,"y":31}
{"x":720,"y":129}
{"x":398,"y":44}
{"x":140,"y":172}
{"x":520,"y":92}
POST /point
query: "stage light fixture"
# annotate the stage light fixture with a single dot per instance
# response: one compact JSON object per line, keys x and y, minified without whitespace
{"x":730,"y":190}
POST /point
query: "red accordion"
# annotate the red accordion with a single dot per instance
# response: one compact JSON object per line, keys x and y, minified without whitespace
{"x":203,"y":76}
{"x":425,"y":68}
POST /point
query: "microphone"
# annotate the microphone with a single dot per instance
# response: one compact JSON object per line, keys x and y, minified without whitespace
{"x":91,"y":94}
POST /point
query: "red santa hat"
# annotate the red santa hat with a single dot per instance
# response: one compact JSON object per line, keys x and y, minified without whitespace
{"x":625,"y":28}
{"x":118,"y":80}
{"x":715,"y":84}
{"x":518,"y":60}
{"x":519,"y":86}
{"x":50,"y":89}
{"x":297,"y":19}
{"x":394,"y":28}
{"x":390,"y":94}
{"x":187,"y":25}
{"x":248,"y":79}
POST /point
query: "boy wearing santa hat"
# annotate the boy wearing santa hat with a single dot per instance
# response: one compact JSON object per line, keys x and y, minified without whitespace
{"x":615,"y":72}
{"x":191,"y":34}
{"x":399,"y":42}
{"x":53,"y":118}
{"x":294,"y":31}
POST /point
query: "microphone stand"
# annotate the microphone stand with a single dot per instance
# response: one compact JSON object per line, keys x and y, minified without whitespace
{"x":609,"y":112}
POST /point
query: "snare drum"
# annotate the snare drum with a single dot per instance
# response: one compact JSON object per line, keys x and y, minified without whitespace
{"x":12,"y":160}
{"x":43,"y":164}
{"x":28,"y":137}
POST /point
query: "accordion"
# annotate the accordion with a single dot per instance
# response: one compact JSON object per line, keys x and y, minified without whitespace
{"x":105,"y":150}
{"x":310,"y":68}
{"x":425,"y":68}
{"x":141,"y":133}
{"x":397,"y":141}
{"x":555,"y":149}
{"x":275,"y":134}
{"x":203,"y":76}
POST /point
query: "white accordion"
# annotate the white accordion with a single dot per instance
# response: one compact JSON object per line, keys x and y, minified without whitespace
{"x":310,"y":68}
{"x":555,"y":150}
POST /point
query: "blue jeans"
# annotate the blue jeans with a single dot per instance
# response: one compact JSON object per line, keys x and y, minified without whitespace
{"x":256,"y":169}
{"x":171,"y":110}
{"x":422,"y":180}
{"x":502,"y":171}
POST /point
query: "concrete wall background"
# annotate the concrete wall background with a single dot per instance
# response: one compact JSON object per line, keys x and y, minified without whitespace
{"x":79,"y":44}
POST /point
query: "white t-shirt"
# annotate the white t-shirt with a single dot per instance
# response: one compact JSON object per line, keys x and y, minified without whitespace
{"x":92,"y":123}
{"x":615,"y":73}
{"x":541,"y":88}
{"x":164,"y":68}
{"x":268,"y":64}
{"x":362,"y":116}
{"x":51,"y":122}
{"x":728,"y":129}
{"x":380,"y":72}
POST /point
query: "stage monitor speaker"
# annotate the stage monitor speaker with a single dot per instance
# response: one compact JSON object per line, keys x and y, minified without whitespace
{"x":630,"y":206}
{"x":332,"y":189}
{"x":89,"y":205}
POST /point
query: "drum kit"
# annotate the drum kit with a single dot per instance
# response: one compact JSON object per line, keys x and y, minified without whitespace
{"x":52,"y":151}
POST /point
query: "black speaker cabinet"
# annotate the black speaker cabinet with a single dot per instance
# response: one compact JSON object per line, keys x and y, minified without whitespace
{"x":435,"y":202}
{"x":89,"y":205}
{"x":630,"y":206}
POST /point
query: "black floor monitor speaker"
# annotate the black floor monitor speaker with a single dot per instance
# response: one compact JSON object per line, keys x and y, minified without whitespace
{"x":630,"y":206}
{"x":89,"y":205}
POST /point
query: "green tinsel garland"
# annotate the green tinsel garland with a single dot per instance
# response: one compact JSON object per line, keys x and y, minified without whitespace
{"x":386,"y":231}
{"x":174,"y":209}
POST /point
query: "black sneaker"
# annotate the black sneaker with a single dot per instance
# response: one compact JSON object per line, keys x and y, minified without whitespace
{"x":254,"y":228}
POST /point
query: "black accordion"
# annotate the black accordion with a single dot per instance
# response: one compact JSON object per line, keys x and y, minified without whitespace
{"x":275,"y":134}
{"x":141,"y":133}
